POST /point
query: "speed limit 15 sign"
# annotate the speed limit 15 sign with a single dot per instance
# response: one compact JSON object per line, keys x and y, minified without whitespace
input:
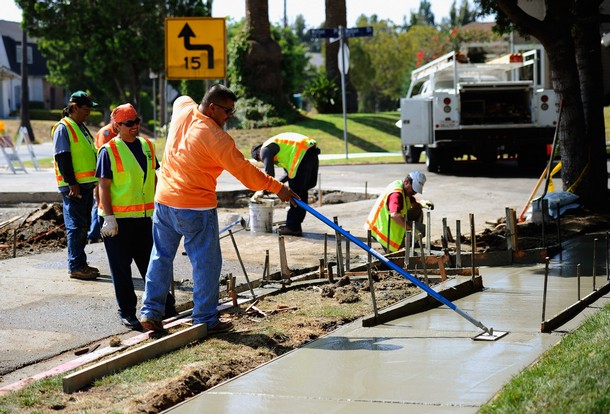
{"x":195,"y":48}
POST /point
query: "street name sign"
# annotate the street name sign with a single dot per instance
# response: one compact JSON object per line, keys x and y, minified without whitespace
{"x":359,"y":31}
{"x":195,"y":48}
{"x":324,"y":33}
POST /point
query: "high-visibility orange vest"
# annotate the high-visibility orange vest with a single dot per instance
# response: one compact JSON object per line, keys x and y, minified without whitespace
{"x":378,"y":219}
{"x":132,"y":194}
{"x":292,"y":150}
{"x":84,"y":155}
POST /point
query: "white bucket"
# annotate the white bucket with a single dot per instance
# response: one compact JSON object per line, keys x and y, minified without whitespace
{"x":261,"y":216}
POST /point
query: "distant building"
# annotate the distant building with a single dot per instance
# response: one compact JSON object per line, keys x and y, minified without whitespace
{"x":46,"y":95}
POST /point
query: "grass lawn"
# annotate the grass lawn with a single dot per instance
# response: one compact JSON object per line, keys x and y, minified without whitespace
{"x":572,"y":377}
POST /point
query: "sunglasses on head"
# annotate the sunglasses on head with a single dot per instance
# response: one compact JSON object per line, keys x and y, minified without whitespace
{"x":228,"y":111}
{"x":131,"y":123}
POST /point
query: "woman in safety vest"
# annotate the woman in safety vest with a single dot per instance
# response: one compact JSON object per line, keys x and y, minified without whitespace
{"x":126,"y":171}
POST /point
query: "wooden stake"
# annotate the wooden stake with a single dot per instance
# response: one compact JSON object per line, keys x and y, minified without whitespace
{"x":284,"y":270}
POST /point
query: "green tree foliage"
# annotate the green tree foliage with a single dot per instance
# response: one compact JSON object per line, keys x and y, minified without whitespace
{"x":424,"y":16}
{"x":107,"y":48}
{"x":462,"y":16}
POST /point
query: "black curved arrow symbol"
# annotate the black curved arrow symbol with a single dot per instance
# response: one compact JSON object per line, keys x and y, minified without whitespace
{"x":187,"y":33}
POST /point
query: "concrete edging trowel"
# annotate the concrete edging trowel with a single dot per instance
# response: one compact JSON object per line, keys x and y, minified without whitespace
{"x":488,"y":334}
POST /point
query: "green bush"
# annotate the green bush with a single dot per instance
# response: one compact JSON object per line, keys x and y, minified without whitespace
{"x":323,"y":93}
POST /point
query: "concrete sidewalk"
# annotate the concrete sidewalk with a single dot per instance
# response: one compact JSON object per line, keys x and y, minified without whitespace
{"x":423,"y":363}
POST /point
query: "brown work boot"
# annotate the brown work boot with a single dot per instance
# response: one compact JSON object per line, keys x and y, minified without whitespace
{"x":93,"y":269}
{"x":84,"y":273}
{"x":152,"y":324}
{"x":221,"y":327}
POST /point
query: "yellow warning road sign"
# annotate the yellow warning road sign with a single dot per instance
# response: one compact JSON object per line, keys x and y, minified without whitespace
{"x":195,"y":48}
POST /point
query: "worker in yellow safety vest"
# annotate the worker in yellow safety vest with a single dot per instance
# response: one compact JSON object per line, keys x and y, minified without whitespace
{"x":126,"y":170}
{"x":298,"y":156}
{"x":395,"y":210}
{"x":74,"y":161}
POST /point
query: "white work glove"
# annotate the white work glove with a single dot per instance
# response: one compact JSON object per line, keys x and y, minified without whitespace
{"x":257,"y":196}
{"x":426,"y":204}
{"x":110,"y":228}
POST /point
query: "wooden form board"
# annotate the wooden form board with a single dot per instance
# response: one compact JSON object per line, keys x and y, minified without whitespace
{"x":78,"y":380}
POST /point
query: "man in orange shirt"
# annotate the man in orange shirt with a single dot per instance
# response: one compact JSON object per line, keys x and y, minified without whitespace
{"x":197,"y":151}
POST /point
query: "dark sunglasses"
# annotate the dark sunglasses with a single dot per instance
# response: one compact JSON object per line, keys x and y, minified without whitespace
{"x":228,"y":111}
{"x":129,"y":124}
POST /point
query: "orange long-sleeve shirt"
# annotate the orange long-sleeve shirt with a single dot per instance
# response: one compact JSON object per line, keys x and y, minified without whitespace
{"x":196,"y":153}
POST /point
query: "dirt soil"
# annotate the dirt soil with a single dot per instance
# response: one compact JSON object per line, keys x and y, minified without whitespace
{"x":271,"y":327}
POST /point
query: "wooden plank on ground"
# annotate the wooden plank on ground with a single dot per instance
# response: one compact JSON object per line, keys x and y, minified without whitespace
{"x":78,"y":380}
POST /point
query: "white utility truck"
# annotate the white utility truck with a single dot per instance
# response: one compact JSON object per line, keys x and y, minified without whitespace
{"x":485,"y":110}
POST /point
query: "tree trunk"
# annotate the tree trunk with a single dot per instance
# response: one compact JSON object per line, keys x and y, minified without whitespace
{"x":25,"y":93}
{"x":572,"y":45}
{"x":588,"y":59}
{"x":336,"y":15}
{"x":263,"y":61}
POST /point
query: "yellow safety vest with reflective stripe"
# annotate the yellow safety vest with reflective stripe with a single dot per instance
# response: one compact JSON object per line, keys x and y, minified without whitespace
{"x":131,"y":193}
{"x":378,"y":219}
{"x":84,"y":155}
{"x":292,"y":150}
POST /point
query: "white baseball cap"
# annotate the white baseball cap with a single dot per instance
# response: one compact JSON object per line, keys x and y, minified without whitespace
{"x":418,"y":179}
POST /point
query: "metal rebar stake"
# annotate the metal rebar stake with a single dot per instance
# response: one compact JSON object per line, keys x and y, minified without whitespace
{"x":428,"y":236}
{"x":607,"y":259}
{"x":578,"y":279}
{"x":242,"y":264}
{"x":559,"y":235}
{"x":340,"y":272}
{"x":347,"y":258}
{"x":594,"y":263}
{"x":370,"y":275}
{"x":407,"y":249}
{"x":473,"y":244}
{"x":546,"y":280}
{"x":458,"y":244}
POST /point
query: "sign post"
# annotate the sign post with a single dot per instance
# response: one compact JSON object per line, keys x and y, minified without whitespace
{"x":343,"y":59}
{"x":195,"y":48}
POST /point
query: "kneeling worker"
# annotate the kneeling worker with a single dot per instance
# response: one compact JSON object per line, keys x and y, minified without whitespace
{"x":395,"y":209}
{"x":298,"y":156}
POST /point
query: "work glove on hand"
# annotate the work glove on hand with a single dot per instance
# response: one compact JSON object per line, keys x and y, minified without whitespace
{"x":426,"y":204}
{"x":110,"y":228}
{"x":257,"y":196}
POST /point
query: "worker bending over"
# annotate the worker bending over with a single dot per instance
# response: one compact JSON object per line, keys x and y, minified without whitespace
{"x":298,"y":156}
{"x":395,"y":210}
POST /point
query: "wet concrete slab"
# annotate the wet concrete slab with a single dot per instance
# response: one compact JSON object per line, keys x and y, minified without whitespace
{"x":422,"y":363}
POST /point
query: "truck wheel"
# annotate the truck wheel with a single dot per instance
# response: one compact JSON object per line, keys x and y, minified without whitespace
{"x":432,"y":160}
{"x":411,"y":154}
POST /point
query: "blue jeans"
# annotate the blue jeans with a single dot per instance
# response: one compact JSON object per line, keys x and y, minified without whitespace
{"x":77,"y":218}
{"x":202,"y":245}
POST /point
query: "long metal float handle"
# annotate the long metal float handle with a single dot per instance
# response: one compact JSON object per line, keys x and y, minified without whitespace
{"x":393,"y":265}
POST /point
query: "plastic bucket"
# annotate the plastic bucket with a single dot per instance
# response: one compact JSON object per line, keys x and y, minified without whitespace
{"x":261,"y":216}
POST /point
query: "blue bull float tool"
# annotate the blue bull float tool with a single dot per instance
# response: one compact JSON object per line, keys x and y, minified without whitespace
{"x":488,"y":333}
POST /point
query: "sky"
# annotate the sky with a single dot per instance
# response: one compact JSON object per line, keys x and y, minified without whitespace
{"x":312,"y":10}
